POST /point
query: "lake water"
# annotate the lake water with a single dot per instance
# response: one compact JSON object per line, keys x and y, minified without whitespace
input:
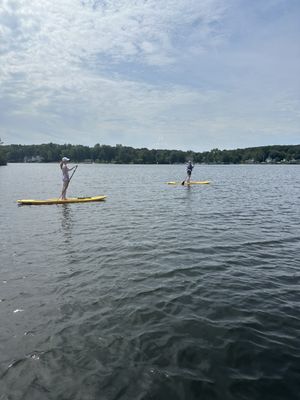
{"x":159,"y":292}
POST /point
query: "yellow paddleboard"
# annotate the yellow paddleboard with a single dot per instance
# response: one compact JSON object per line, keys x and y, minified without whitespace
{"x":60,"y":201}
{"x":191,"y":183}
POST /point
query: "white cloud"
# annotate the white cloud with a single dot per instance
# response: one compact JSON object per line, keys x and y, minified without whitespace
{"x":140,"y":72}
{"x":69,"y":31}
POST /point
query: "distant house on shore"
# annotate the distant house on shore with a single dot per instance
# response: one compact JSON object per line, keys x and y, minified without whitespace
{"x":33,"y":159}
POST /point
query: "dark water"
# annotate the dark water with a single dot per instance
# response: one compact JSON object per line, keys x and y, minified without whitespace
{"x":159,"y":293}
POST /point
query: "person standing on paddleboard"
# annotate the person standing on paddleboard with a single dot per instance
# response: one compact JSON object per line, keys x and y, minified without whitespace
{"x":189,"y":169}
{"x":65,"y":176}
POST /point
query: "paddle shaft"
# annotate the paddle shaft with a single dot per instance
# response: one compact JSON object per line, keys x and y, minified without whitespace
{"x":65,"y":189}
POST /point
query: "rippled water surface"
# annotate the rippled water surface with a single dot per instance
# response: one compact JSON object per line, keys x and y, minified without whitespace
{"x":160,"y":292}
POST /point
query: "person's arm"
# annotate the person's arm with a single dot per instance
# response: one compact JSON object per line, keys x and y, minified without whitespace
{"x":70,"y":169}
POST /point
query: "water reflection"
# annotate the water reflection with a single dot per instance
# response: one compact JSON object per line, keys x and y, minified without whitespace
{"x":188,"y":189}
{"x":66,"y":222}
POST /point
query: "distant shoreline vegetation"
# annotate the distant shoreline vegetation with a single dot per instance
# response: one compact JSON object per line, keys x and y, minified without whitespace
{"x":51,"y":152}
{"x":3,"y":156}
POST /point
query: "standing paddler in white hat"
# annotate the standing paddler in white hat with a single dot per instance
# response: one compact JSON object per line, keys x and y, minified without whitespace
{"x":65,"y":176}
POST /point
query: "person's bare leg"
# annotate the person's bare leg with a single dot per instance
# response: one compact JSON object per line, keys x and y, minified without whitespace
{"x":188,"y":180}
{"x":64,"y":190}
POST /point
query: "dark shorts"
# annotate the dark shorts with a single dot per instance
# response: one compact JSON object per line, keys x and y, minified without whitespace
{"x":189,"y":172}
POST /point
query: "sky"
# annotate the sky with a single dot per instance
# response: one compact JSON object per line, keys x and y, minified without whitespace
{"x":172,"y":74}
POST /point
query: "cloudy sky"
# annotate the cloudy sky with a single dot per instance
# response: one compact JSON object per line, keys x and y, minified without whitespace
{"x":182,"y":74}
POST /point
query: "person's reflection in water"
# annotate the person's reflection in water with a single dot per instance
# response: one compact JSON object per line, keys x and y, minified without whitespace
{"x":188,"y":188}
{"x":67,"y":243}
{"x":66,"y":223}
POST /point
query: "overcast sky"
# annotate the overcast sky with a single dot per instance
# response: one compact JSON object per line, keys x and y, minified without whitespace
{"x":181,"y":74}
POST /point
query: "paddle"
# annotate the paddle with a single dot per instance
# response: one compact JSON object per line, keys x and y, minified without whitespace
{"x":68,"y":182}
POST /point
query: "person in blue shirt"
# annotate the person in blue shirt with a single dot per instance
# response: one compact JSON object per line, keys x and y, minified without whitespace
{"x":189,"y":169}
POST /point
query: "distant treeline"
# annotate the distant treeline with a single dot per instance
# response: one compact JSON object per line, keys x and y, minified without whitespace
{"x":128,"y":155}
{"x":3,"y":157}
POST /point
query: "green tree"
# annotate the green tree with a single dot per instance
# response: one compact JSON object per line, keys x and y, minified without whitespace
{"x":3,"y":157}
{"x":52,"y":152}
